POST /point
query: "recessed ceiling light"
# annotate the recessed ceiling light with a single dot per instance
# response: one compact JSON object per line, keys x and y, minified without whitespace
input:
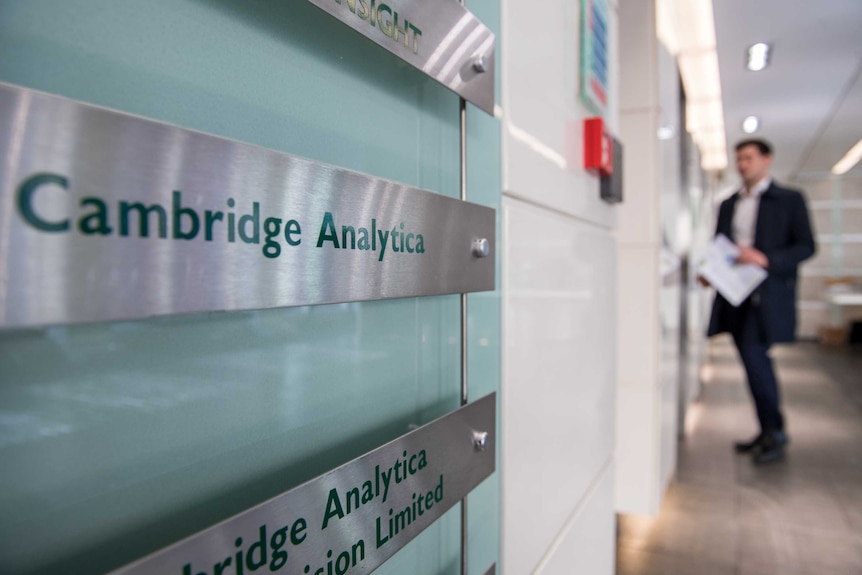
{"x":849,"y":160}
{"x":750,"y":124}
{"x":758,"y":56}
{"x":666,"y":132}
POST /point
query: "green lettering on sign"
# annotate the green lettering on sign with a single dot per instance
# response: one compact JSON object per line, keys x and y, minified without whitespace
{"x":180,"y":221}
{"x":386,"y":19}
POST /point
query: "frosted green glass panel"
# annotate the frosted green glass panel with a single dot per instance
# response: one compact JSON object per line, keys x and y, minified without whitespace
{"x":282,"y":75}
{"x":120,"y":438}
{"x":484,"y":186}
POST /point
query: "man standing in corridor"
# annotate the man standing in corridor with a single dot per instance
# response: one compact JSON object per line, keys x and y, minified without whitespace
{"x":770,"y":224}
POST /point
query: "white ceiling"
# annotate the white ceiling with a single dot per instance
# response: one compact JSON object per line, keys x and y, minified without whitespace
{"x":809,"y":98}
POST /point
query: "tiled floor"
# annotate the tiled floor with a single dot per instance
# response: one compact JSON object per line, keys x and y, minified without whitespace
{"x":724,"y":516}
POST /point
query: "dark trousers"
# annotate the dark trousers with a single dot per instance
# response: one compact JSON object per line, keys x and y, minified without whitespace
{"x":753,"y":347}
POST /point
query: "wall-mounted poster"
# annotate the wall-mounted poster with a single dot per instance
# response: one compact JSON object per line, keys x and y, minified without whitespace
{"x":594,"y":55}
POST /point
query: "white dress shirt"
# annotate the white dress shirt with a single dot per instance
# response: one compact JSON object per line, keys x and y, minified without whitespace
{"x":745,"y":215}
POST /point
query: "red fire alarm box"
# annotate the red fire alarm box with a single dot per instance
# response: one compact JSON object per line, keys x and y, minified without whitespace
{"x":598,"y":148}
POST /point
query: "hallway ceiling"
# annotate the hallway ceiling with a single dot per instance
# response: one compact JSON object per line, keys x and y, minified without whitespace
{"x":809,"y":98}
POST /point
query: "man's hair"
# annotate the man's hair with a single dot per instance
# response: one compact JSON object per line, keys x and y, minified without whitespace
{"x":762,"y":145}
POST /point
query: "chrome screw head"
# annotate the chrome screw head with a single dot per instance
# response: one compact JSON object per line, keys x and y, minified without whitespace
{"x":480,"y":440}
{"x":481,"y":248}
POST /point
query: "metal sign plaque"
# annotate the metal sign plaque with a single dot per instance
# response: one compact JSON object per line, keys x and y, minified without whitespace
{"x":353,"y":518}
{"x":442,"y":39}
{"x":106,"y":216}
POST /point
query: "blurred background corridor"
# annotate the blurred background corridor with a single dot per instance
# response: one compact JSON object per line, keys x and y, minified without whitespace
{"x":722,"y":515}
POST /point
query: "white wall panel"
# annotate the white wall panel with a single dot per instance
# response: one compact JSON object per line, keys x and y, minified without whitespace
{"x":559,"y":374}
{"x":638,"y":217}
{"x":669,"y":411}
{"x":537,"y":177}
{"x":542,"y":111}
{"x":670,"y":190}
{"x":638,"y":87}
{"x":636,"y":486}
{"x":650,"y":305}
{"x":588,"y":543}
{"x":558,"y":400}
{"x":637,"y":435}
{"x":638,"y":319}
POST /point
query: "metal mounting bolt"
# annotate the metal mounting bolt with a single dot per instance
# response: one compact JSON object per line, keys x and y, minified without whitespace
{"x":481,"y":248}
{"x":479,"y":64}
{"x":480,"y":440}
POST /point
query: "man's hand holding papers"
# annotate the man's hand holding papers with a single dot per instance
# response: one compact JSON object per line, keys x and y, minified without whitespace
{"x":732,"y":270}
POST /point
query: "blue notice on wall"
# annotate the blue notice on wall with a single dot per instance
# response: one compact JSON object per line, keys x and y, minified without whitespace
{"x":594,"y":55}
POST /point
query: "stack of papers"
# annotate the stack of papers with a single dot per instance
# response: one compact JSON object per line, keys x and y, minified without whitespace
{"x":734,"y":282}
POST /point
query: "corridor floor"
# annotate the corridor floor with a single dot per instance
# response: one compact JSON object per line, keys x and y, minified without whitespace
{"x":722,"y":515}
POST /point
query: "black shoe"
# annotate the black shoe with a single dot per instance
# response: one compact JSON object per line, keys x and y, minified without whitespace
{"x":769,"y":454}
{"x":780,"y":438}
{"x":748,"y":446}
{"x":757,"y":443}
{"x":771,"y":448}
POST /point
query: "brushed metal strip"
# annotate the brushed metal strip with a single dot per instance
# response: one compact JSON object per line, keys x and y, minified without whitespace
{"x":355,"y":541}
{"x":465,"y":523}
{"x":108,"y":216}
{"x":441,"y":38}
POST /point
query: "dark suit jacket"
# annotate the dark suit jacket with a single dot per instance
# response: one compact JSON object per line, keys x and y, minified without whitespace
{"x":783,"y":233}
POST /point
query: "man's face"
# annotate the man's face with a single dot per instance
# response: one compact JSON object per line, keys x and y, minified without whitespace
{"x":751,"y":164}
